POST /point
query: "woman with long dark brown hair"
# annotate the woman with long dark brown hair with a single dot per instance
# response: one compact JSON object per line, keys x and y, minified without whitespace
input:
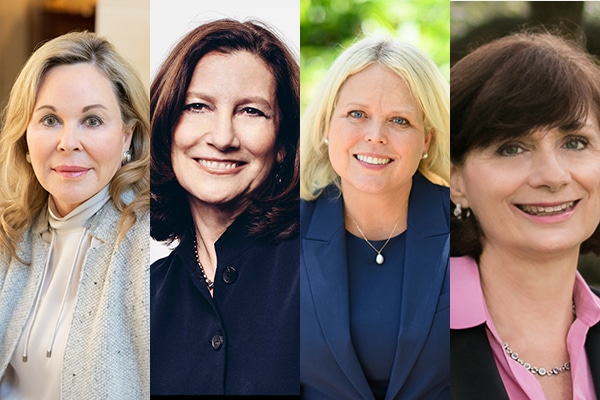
{"x":225,"y":183}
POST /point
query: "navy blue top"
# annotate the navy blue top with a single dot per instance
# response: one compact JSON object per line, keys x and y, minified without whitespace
{"x":375,"y":296}
{"x":245,"y":340}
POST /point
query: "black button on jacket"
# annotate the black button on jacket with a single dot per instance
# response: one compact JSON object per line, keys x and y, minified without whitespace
{"x":245,"y":340}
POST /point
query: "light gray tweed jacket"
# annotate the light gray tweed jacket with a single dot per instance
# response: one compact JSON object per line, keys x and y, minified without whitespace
{"x":108,"y":348}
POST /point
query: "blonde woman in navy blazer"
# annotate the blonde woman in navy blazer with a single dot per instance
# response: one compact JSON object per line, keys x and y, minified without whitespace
{"x":374,"y":290}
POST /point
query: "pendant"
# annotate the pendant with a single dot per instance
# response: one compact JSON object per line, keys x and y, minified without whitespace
{"x":379,"y":259}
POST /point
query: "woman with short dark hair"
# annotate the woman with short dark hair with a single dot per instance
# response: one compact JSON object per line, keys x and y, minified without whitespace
{"x":225,"y":183}
{"x":525,"y":182}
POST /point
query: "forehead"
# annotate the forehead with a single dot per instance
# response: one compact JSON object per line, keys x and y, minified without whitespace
{"x":378,"y":86}
{"x":76,"y":83}
{"x":231,"y":71}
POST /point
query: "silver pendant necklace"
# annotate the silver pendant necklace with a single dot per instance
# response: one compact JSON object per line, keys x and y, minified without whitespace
{"x":379,"y":257}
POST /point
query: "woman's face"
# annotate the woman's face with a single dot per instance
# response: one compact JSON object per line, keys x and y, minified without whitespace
{"x":539,"y":193}
{"x":76,"y":137}
{"x":377,"y":135}
{"x":223,"y":143}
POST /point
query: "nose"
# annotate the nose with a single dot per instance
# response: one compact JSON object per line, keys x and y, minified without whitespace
{"x":69,"y":139}
{"x":549,"y":171}
{"x":223,"y":132}
{"x":376,"y":132}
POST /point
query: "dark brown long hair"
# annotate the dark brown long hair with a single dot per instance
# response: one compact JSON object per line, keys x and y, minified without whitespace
{"x":507,"y":89}
{"x":273,"y":212}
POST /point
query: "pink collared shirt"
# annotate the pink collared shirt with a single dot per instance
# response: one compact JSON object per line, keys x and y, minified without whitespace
{"x":468,"y":309}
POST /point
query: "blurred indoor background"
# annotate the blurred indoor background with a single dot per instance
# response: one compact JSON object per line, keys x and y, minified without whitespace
{"x":24,"y":24}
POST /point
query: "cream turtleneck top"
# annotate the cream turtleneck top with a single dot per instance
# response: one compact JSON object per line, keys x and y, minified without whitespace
{"x":35,"y":367}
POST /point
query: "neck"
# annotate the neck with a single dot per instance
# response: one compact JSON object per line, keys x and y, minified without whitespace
{"x":378,"y":215}
{"x":528,"y":295}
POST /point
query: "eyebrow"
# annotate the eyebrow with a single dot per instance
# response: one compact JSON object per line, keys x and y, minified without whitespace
{"x":243,"y":100}
{"x":410,"y":110}
{"x":84,"y":109}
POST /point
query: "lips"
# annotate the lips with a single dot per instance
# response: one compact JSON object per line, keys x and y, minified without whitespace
{"x":373,"y":160}
{"x":71,"y":171}
{"x":542,"y":211}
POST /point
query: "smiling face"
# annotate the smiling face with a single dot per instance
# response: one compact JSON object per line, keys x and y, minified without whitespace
{"x":76,"y":137}
{"x":223,"y":143}
{"x":377,"y":135}
{"x":536,"y":194}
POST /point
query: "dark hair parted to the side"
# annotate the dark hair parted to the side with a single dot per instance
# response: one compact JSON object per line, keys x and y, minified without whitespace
{"x":509,"y":88}
{"x":274,"y":208}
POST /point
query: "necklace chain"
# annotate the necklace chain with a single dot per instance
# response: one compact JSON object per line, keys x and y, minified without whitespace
{"x":209,"y":284}
{"x":379,"y":258}
{"x":534,"y":370}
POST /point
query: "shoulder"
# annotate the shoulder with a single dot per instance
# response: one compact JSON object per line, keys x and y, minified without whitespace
{"x":324,"y":206}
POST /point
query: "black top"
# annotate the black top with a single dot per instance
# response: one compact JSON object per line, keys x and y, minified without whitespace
{"x":245,"y":340}
{"x":375,"y":301}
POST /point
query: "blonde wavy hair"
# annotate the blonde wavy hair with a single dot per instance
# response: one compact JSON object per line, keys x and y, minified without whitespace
{"x":427,"y":86}
{"x":22,"y":197}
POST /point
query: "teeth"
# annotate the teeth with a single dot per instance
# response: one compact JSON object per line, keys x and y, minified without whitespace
{"x":373,"y":160}
{"x":535,"y":210}
{"x":218,"y":164}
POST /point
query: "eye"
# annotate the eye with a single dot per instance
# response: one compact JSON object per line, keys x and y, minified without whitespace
{"x":400,"y":121}
{"x":49,"y":120}
{"x":196,"y":107}
{"x":356,"y":114}
{"x":509,"y":150}
{"x":92,"y":121}
{"x":253,"y":112}
{"x":576,"y":143}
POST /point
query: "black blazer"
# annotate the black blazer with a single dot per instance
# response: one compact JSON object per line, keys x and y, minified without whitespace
{"x":329,"y":366}
{"x":473,"y":372}
{"x":246,"y":339}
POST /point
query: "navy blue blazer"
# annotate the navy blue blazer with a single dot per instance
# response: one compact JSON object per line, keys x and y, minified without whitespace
{"x":329,"y":366}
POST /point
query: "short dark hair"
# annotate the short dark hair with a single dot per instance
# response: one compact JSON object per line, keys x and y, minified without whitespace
{"x":274,"y":207}
{"x":507,"y":89}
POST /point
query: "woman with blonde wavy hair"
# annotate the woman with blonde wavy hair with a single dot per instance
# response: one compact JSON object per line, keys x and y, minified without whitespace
{"x":74,"y":223}
{"x":374,"y":301}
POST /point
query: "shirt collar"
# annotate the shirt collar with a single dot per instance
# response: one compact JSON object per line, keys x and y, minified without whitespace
{"x":468,"y":308}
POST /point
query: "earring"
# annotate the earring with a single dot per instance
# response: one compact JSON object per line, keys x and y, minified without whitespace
{"x":277,"y":175}
{"x":126,"y":157}
{"x":28,"y":157}
{"x":425,"y":155}
{"x":327,"y":141}
{"x":458,"y":212}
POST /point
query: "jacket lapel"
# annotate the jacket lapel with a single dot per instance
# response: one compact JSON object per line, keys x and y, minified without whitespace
{"x":425,"y":271}
{"x":473,"y":371}
{"x":324,"y":248}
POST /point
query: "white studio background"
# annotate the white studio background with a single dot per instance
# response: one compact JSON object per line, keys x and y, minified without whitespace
{"x":170,"y":20}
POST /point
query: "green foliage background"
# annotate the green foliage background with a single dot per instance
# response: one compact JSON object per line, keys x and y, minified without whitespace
{"x":329,"y":26}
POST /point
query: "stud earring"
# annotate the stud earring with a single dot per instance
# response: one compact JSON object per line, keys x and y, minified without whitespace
{"x":327,"y":141}
{"x":425,"y":155}
{"x":28,"y":157}
{"x":126,"y":157}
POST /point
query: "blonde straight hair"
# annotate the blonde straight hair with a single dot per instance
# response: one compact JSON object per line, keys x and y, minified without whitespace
{"x":22,"y":197}
{"x":427,"y":86}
